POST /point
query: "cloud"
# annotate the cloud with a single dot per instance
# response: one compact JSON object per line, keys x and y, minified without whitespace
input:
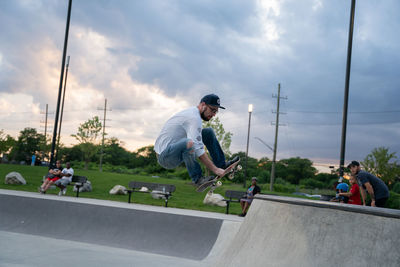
{"x":150,"y":59}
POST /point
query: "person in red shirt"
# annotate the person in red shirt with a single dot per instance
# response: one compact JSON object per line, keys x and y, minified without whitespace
{"x":354,"y":193}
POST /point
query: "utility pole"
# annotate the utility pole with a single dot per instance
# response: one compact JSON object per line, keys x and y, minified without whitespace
{"x":346,"y":88}
{"x":45,"y":129}
{"x":104,"y":129}
{"x":271,"y":185}
{"x":45,"y":123}
{"x":62,"y":107}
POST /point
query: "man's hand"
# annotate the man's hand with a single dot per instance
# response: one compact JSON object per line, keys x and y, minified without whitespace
{"x":219,"y":171}
{"x":210,"y":165}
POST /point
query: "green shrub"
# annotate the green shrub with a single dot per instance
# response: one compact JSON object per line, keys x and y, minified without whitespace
{"x":285,"y":188}
{"x":396,"y":188}
{"x":311,"y":183}
{"x":394,"y":201}
{"x":264,"y":176}
{"x":279,"y":180}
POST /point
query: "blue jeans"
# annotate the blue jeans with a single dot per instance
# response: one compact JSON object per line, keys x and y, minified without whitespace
{"x":178,"y":152}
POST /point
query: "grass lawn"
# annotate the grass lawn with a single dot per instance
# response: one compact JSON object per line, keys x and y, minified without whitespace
{"x":185,"y":196}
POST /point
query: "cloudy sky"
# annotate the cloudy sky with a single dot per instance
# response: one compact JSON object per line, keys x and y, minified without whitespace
{"x":152,"y":58}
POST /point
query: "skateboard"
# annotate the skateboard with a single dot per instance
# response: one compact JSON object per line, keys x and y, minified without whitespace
{"x":214,"y":183}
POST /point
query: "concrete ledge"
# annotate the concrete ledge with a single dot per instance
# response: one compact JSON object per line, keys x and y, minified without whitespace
{"x":282,"y":231}
{"x":383,"y":212}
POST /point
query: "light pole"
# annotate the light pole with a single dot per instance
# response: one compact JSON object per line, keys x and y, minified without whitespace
{"x":247,"y":148}
{"x":62,"y":108}
{"x":53,"y":143}
{"x":346,"y":88}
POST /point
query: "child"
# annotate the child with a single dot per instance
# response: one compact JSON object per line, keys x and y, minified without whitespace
{"x":354,"y":194}
{"x":341,"y":188}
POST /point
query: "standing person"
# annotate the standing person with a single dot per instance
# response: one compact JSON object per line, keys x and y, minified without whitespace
{"x":251,"y":192}
{"x":52,"y":176}
{"x":182,"y":139}
{"x":376,"y":188}
{"x":354,"y":194}
{"x":66,"y":178}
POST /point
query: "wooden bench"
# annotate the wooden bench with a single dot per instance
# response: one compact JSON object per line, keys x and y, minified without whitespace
{"x":162,"y":189}
{"x":233,"y":196}
{"x":76,"y":180}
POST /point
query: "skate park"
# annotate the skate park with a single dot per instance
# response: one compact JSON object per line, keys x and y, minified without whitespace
{"x":46,"y":230}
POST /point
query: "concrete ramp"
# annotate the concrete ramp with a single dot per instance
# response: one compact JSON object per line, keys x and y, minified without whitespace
{"x":47,"y":230}
{"x":54,"y":227}
{"x":281,"y":231}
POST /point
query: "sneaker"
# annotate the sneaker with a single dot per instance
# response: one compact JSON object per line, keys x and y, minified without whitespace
{"x":64,"y":191}
{"x":230,"y":162}
{"x":40,"y":190}
{"x":242,"y":215}
{"x":203,"y":180}
{"x":60,"y":193}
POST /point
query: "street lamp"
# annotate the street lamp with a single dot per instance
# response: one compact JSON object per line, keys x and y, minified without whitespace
{"x":247,"y":148}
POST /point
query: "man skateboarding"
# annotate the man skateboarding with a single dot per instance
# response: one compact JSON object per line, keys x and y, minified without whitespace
{"x":182,"y":139}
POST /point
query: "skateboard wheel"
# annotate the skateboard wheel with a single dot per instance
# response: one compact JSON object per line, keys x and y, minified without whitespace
{"x":231,"y":176}
{"x":219,"y":183}
{"x":239,"y":167}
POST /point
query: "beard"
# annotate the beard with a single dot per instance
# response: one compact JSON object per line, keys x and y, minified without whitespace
{"x":204,"y":117}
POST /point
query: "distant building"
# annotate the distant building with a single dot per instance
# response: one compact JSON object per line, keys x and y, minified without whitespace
{"x":325,"y":167}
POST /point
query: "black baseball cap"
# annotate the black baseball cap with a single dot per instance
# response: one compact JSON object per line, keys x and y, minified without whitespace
{"x":212,"y":100}
{"x":353,"y":163}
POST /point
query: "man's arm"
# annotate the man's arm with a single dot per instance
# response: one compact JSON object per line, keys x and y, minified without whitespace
{"x":371,"y":193}
{"x":363,"y":195}
{"x":210,"y":165}
{"x":56,"y":172}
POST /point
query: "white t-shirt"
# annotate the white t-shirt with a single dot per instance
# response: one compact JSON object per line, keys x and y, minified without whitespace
{"x":184,"y":124}
{"x":66,"y":171}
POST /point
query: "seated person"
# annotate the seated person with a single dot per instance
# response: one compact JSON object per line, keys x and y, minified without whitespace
{"x":341,"y":188}
{"x":251,"y":192}
{"x":66,"y":178}
{"x":53,"y":175}
{"x":354,"y":194}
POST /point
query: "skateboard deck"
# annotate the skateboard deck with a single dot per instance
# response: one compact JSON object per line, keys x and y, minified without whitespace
{"x":215,"y":182}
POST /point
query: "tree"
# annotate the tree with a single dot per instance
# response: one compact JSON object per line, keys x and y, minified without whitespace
{"x":378,"y":163}
{"x":87,"y":135}
{"x":29,"y":143}
{"x":6,"y":142}
{"x":224,"y":138}
{"x":114,"y":153}
{"x":252,"y":168}
{"x":298,"y":169}
{"x":145,"y":156}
